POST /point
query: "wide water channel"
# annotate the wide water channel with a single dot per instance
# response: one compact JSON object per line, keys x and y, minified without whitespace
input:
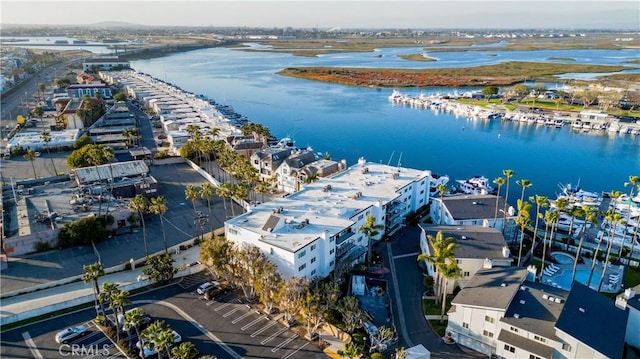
{"x":350,"y":122}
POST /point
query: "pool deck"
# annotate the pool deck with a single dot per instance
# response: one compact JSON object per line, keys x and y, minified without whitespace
{"x":609,"y":285}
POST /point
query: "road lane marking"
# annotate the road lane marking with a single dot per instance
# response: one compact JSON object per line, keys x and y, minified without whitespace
{"x":272,"y":336}
{"x":285,"y":342}
{"x":396,"y":290}
{"x":295,"y":351}
{"x":32,"y":345}
{"x":252,"y":323}
{"x":255,"y":334}
{"x":406,"y":255}
{"x":235,"y":321}
{"x":231,"y":312}
{"x":222,"y":307}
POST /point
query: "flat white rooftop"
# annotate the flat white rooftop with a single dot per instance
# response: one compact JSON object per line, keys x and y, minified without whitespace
{"x":282,"y":222}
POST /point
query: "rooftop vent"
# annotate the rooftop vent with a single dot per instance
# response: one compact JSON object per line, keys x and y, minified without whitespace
{"x":558,"y":300}
{"x":516,"y":315}
{"x":474,"y":203}
{"x":464,"y":237}
{"x":365,"y":170}
{"x":503,"y":284}
{"x":581,"y":310}
{"x":545,"y":296}
{"x":522,"y":301}
{"x":551,"y":298}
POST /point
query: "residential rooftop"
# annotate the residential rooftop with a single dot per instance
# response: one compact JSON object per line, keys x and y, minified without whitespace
{"x":328,"y":204}
{"x":492,"y":288}
{"x":473,"y":241}
{"x":473,"y":206}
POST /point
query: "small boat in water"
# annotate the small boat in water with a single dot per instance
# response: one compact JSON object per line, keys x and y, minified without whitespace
{"x":475,"y":185}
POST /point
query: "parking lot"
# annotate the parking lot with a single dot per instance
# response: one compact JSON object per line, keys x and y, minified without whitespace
{"x":225,"y":327}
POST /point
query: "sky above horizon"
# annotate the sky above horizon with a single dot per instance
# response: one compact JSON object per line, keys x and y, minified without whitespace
{"x":416,"y":14}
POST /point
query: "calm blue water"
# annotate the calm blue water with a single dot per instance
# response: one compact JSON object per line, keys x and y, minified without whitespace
{"x":349,"y":122}
{"x":48,"y":43}
{"x":562,"y":258}
{"x":582,"y":276}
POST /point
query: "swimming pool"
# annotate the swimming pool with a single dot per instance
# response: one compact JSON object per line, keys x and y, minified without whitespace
{"x":562,"y":258}
{"x":582,"y":276}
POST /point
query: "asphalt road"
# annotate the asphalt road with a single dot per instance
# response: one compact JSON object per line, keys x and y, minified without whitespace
{"x":178,"y":223}
{"x":244,"y":332}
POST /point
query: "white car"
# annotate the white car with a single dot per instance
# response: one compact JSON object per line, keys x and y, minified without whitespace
{"x":68,"y":334}
{"x":204,"y":286}
{"x":150,"y":352}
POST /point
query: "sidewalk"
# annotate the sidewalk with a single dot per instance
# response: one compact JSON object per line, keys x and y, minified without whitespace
{"x":49,"y":300}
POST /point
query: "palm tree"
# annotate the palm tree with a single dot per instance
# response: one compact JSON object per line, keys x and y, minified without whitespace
{"x":616,"y":218}
{"x":608,"y":216}
{"x":524,"y":183}
{"x":550,"y":219}
{"x":225,"y":190}
{"x":590,"y":216}
{"x":91,"y":274}
{"x":159,"y":206}
{"x":508,"y":174}
{"x":149,"y":336}
{"x":31,"y":156}
{"x":191,"y":193}
{"x":443,"y":253}
{"x":448,"y":272}
{"x":107,"y":155}
{"x":370,"y":229}
{"x":46,"y":137}
{"x":140,"y":205}
{"x":575,"y":212}
{"x":185,"y":350}
{"x":206,"y":192}
{"x":634,"y":181}
{"x":442,"y":189}
{"x":541,"y":202}
{"x":134,"y":319}
{"x":523,"y":220}
{"x":164,"y":341}
{"x":41,"y":88}
{"x":129,"y":134}
{"x":499,"y":182}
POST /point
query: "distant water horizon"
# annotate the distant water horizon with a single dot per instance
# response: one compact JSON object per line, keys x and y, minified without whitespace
{"x":352,"y":122}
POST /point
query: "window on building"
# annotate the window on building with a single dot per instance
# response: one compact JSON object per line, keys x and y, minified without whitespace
{"x":488,"y":319}
{"x":458,"y":261}
{"x":539,"y":338}
{"x":514,"y":329}
{"x":313,"y":247}
{"x":422,"y":192}
{"x":331,"y":264}
{"x":332,"y":250}
{"x":302,"y":267}
{"x":331,"y":239}
{"x":360,"y":217}
{"x":466,"y":274}
{"x":313,"y":272}
{"x":531,"y":356}
{"x":465,"y":325}
{"x":271,"y":251}
{"x":566,"y":347}
{"x":313,"y":260}
{"x":302,"y":254}
{"x":233,"y":231}
{"x":509,"y":348}
{"x":487,"y":334}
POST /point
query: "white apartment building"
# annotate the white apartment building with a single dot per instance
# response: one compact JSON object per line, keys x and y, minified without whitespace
{"x":631,"y":302}
{"x":501,"y":313}
{"x":477,"y":247}
{"x":466,"y":210}
{"x":310,"y":231}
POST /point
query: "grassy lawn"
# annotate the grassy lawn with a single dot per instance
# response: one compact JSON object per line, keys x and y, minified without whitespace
{"x":430,"y":307}
{"x":439,"y":328}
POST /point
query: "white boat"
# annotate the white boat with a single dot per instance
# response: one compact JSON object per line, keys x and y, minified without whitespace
{"x":435,"y":181}
{"x":578,"y":196}
{"x":475,"y":185}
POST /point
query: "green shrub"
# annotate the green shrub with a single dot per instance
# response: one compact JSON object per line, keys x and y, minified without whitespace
{"x":378,"y":356}
{"x":161,"y":154}
{"x":82,"y":141}
{"x":127,"y":265}
{"x":82,"y":232}
{"x":100,"y":320}
{"x":42,"y":246}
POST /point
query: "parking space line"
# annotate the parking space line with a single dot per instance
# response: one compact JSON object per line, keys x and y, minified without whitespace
{"x":252,"y":323}
{"x":285,"y":342}
{"x":231,"y":312}
{"x":255,"y":334}
{"x":32,"y":345}
{"x":272,"y":336}
{"x":295,"y":351}
{"x":209,"y":303}
{"x":235,"y":321}
{"x":81,"y":338}
{"x":222,"y":307}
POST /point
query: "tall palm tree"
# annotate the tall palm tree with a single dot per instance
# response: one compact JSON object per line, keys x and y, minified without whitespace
{"x":523,"y":220}
{"x":149,"y":336}
{"x":185,"y":350}
{"x":442,"y":189}
{"x":41,"y":88}
{"x":206,"y":192}
{"x":508,"y":174}
{"x":524,"y":183}
{"x":634,"y":181}
{"x":159,"y":206}
{"x":448,"y":272}
{"x":370,"y":229}
{"x":616,"y":219}
{"x":608,"y":216}
{"x":45,"y":135}
{"x":164,"y":341}
{"x":191,"y":193}
{"x":590,"y":216}
{"x":91,"y":274}
{"x":107,"y":155}
{"x":443,"y":253}
{"x":550,"y":219}
{"x":540,"y":202}
{"x":575,"y":212}
{"x":119,"y":300}
{"x":134,"y":319}
{"x":31,"y":156}
{"x":499,"y":181}
{"x":225,"y":190}
{"x":139,"y":204}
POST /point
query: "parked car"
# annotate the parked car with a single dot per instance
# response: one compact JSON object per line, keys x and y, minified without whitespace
{"x":204,"y":286}
{"x":148,"y":352}
{"x":66,"y":335}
